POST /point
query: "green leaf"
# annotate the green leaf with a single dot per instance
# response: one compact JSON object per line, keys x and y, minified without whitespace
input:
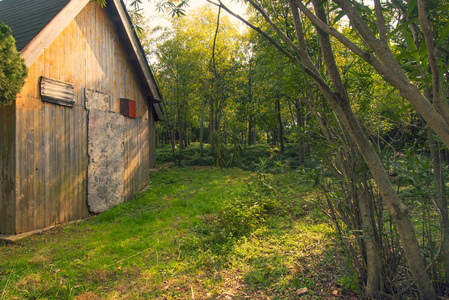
{"x":411,"y":7}
{"x":340,"y":15}
{"x":406,"y":54}
{"x":404,"y":24}
{"x":405,"y":108}
{"x":440,"y":8}
{"x":411,"y":44}
{"x":443,"y":35}
{"x":409,"y":39}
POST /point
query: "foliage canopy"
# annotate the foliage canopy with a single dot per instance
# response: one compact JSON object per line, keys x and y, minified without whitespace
{"x":12,"y":67}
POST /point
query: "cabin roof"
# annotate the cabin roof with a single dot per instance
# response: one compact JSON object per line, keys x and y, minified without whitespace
{"x":27,"y":18}
{"x":36,"y":23}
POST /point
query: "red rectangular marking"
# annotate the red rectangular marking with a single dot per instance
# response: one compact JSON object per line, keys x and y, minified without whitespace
{"x":132,"y":108}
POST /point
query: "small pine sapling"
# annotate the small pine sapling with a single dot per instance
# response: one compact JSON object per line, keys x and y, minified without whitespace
{"x":12,"y":67}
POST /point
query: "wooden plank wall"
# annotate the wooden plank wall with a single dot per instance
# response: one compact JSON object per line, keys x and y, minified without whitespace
{"x":51,"y":149}
{"x":7,"y":169}
{"x":137,"y":158}
{"x":152,"y":138}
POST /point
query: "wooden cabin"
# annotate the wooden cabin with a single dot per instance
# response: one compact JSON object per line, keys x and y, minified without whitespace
{"x":80,"y":136}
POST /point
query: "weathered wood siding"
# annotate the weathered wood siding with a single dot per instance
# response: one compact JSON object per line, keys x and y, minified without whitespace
{"x":152,"y":140}
{"x":137,"y":156}
{"x":51,"y":140}
{"x":7,"y":169}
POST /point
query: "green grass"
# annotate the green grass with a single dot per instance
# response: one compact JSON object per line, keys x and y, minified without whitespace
{"x":163,"y":245}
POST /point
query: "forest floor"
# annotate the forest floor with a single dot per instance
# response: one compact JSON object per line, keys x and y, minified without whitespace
{"x":195,"y":233}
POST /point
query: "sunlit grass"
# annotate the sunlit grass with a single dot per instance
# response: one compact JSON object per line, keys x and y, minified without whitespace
{"x":152,"y":247}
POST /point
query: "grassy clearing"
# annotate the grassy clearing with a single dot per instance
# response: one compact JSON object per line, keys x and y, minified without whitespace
{"x":181,"y":239}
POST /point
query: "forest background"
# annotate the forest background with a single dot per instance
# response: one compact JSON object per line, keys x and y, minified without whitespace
{"x":362,"y":87}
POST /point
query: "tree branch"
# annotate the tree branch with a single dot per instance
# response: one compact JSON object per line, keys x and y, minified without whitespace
{"x":320,"y":81}
{"x":429,"y":39}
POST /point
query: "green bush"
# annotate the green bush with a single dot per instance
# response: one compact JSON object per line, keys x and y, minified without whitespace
{"x":243,"y":214}
{"x":200,"y":161}
{"x":12,"y":68}
{"x":291,"y":151}
{"x":164,"y":157}
{"x":237,"y":218}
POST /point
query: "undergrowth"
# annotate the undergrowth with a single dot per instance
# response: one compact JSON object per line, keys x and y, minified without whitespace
{"x":197,"y":232}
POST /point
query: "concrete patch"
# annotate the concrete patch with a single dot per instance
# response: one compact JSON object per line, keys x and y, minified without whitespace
{"x":106,"y":150}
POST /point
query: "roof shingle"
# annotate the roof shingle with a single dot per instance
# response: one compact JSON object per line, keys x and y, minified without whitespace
{"x":27,"y":18}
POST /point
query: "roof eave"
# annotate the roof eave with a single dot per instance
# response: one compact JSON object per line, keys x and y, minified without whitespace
{"x":138,"y":51}
{"x":51,"y":31}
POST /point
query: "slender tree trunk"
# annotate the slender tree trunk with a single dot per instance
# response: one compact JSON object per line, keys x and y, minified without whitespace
{"x":178,"y":105}
{"x":211,"y":123}
{"x":441,"y":202}
{"x":299,"y":125}
{"x":281,"y":127}
{"x":340,"y":105}
{"x":186,"y":127}
{"x":250,"y":101}
{"x":217,"y":118}
{"x":173,"y":143}
{"x":384,"y":61}
{"x":373,"y":261}
{"x":250,"y":130}
{"x":202,"y":124}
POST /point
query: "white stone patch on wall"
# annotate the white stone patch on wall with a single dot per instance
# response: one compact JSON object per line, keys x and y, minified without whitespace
{"x":106,"y":150}
{"x":96,"y":100}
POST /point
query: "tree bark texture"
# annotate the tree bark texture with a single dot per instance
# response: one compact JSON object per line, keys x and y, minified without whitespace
{"x":300,"y":125}
{"x":339,"y":103}
{"x":281,"y":127}
{"x":441,"y":201}
{"x":386,"y":65}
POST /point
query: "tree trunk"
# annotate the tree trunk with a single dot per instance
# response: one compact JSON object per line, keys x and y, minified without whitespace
{"x":300,"y":125}
{"x":441,"y":202}
{"x":178,"y":106}
{"x":340,"y":105}
{"x":173,"y":143}
{"x":373,"y":261}
{"x":211,"y":123}
{"x":384,"y":62}
{"x":202,"y":124}
{"x":281,"y":127}
{"x":250,"y":130}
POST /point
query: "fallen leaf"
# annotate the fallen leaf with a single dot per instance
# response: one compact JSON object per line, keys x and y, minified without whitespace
{"x":302,"y":291}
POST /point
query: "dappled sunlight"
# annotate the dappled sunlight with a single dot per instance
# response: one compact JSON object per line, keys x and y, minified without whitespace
{"x":159,"y":245}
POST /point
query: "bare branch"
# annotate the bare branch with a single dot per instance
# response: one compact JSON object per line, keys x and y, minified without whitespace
{"x":212,"y":60}
{"x":308,"y":71}
{"x":429,"y":39}
{"x":380,"y":47}
{"x":366,"y":56}
{"x":380,"y":22}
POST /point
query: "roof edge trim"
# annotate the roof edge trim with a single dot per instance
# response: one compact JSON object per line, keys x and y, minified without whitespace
{"x":137,"y":48}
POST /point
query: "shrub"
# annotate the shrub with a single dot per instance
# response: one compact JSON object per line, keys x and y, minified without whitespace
{"x":12,"y":68}
{"x":164,"y":157}
{"x":200,"y":161}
